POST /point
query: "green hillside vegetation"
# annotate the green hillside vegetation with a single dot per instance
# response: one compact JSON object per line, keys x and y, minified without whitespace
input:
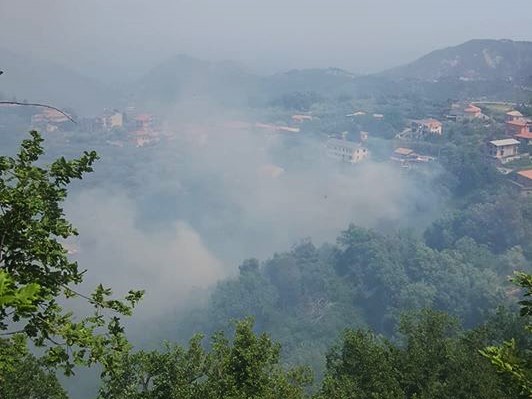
{"x":378,"y":286}
{"x":412,"y":309}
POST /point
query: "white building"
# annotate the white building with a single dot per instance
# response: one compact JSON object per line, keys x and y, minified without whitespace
{"x":347,"y":151}
{"x":504,"y":150}
{"x":112,"y":120}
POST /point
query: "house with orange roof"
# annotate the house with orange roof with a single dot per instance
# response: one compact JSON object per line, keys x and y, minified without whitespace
{"x":518,"y":126}
{"x":467,"y":111}
{"x":472,"y":112}
{"x":427,"y":126}
{"x":407,"y":157}
{"x":49,"y":120}
{"x":513,"y":115}
{"x":525,"y":137}
{"x":523,"y":180}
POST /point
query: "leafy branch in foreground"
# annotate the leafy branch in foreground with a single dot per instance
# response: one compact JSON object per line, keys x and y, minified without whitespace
{"x":36,"y":274}
{"x":508,"y":358}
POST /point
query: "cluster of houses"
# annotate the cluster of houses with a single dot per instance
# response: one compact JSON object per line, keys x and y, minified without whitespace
{"x":518,"y":132}
{"x":139,"y":128}
{"x":355,"y":151}
{"x":49,"y":120}
{"x":467,"y":111}
{"x":519,"y":136}
{"x":504,"y":150}
{"x":143,"y":128}
{"x":519,"y":127}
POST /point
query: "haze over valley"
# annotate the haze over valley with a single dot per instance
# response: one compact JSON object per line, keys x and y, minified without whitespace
{"x":350,"y":181}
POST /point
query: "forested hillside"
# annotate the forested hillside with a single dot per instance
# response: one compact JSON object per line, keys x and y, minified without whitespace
{"x":253,"y":261}
{"x":367,"y":280}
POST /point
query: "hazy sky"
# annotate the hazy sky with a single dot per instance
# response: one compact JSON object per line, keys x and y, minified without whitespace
{"x":125,"y":37}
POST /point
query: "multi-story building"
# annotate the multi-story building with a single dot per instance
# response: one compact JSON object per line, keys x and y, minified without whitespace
{"x":513,"y":115}
{"x":504,"y":150}
{"x":347,"y":151}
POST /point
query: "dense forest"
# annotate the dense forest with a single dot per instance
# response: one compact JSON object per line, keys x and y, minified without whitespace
{"x":341,"y":281}
{"x":378,"y":286}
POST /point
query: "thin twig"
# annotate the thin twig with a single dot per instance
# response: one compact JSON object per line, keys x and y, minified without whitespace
{"x":11,"y":332}
{"x":40,"y":105}
{"x":89,"y":299}
{"x":2,"y":248}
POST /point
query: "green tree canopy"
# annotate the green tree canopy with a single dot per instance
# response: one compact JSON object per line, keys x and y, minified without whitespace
{"x":247,"y":367}
{"x":36,"y":273}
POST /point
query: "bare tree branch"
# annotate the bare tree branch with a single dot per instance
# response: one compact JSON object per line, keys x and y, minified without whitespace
{"x":39,"y":105}
{"x":11,"y":332}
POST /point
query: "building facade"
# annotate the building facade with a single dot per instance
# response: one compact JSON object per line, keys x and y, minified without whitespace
{"x":113,"y":120}
{"x":427,"y":127}
{"x":347,"y":151}
{"x":504,"y":150}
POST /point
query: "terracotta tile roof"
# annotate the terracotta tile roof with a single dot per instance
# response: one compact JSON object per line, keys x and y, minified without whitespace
{"x":526,"y":173}
{"x":430,"y":122}
{"x":473,"y":109}
{"x":518,"y":122}
{"x":524,"y":135}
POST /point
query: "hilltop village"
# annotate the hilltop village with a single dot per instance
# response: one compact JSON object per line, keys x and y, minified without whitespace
{"x":363,"y":227}
{"x":503,"y":134}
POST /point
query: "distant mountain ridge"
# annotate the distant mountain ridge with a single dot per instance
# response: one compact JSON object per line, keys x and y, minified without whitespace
{"x":505,"y":61}
{"x":184,"y":78}
{"x":479,"y":59}
{"x":44,"y":81}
